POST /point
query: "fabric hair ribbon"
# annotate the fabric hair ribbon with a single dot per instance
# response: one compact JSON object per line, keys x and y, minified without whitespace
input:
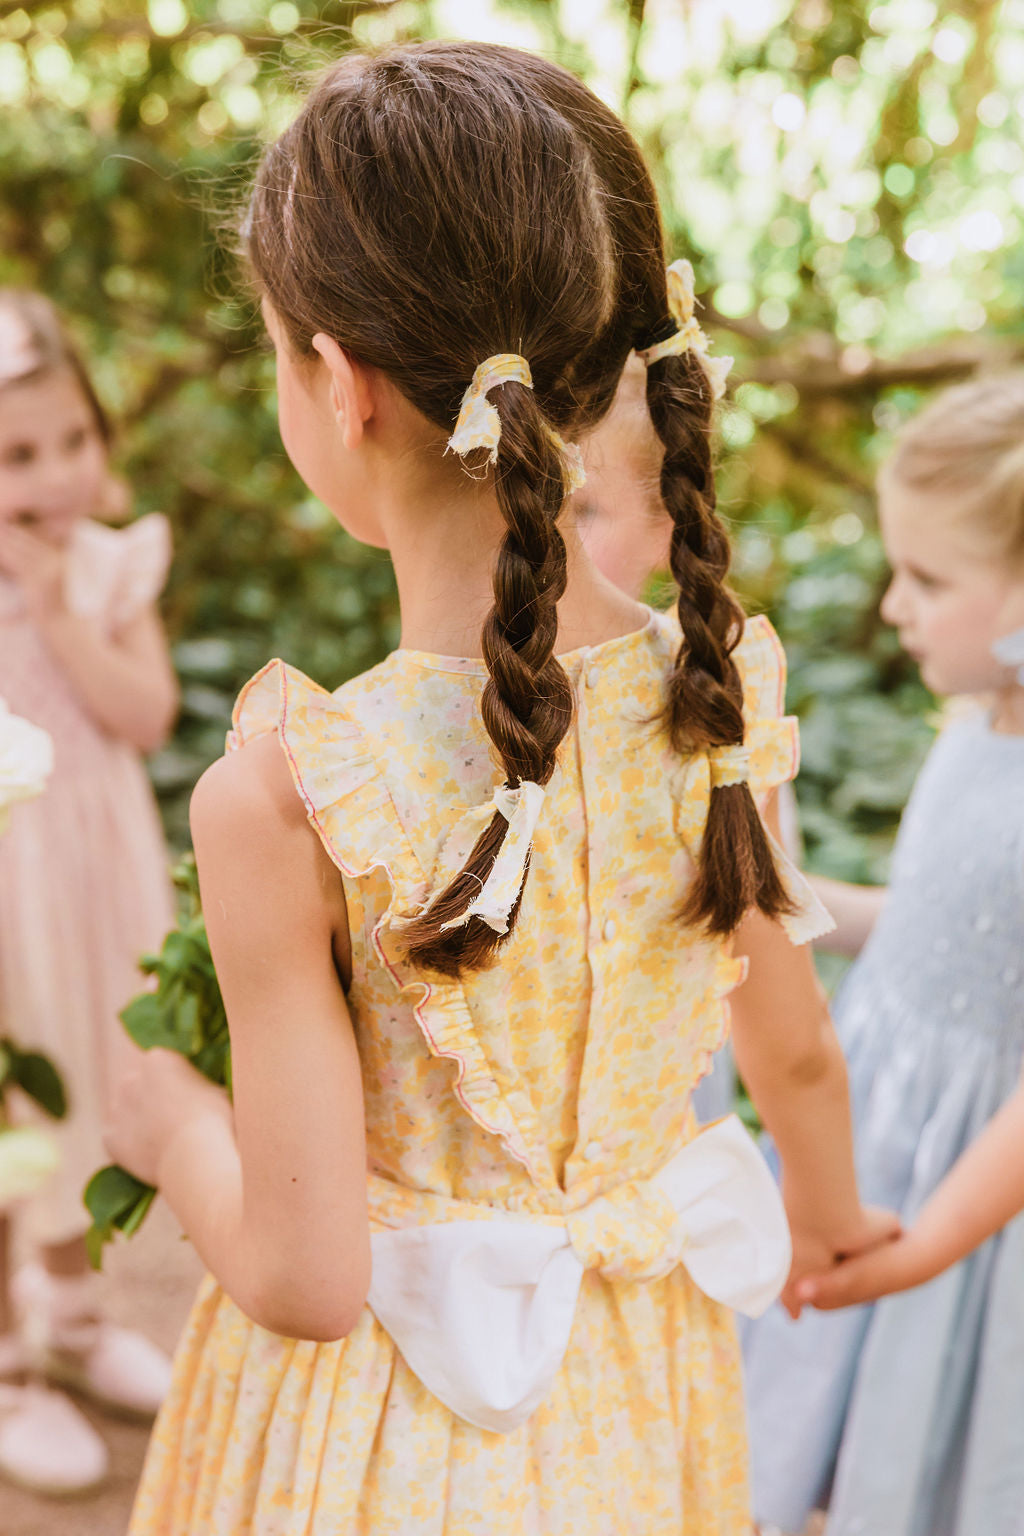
{"x":479,"y":425}
{"x":500,"y":891}
{"x":729,"y":765}
{"x":18,"y":354}
{"x":688,"y":335}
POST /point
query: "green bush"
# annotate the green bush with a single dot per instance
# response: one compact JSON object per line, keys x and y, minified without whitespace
{"x":847,"y":178}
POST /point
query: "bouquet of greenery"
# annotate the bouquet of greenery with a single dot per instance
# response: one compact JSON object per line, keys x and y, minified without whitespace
{"x":183,"y":1012}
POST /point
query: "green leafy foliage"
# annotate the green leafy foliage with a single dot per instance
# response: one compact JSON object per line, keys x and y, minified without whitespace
{"x":35,"y":1075}
{"x":184,"y":1012}
{"x":847,"y":176}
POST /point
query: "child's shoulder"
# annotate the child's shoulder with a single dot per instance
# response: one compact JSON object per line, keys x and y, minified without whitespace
{"x":759,"y":657}
{"x":118,"y":571}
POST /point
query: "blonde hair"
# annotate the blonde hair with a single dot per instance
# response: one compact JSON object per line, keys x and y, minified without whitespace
{"x":968,"y":445}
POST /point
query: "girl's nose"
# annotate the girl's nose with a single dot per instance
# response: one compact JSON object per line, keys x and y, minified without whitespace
{"x":58,"y":473}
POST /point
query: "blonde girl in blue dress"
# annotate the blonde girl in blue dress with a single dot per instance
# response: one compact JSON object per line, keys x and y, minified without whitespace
{"x":908,"y":1418}
{"x":473,"y":912}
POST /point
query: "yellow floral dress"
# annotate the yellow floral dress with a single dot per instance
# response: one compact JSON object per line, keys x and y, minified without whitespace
{"x":559,"y":1074}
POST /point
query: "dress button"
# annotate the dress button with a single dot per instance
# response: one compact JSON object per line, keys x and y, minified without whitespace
{"x":1010,"y":975}
{"x":983,"y":922}
{"x":958,"y":1002}
{"x":593,"y":677}
{"x":592,"y":1151}
{"x":608,"y":931}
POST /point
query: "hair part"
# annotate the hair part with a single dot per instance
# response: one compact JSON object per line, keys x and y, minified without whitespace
{"x":48,"y":349}
{"x":967,"y":446}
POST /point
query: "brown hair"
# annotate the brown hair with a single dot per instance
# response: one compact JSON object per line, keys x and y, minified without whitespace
{"x":968,"y":443}
{"x":447,"y":201}
{"x":47,"y":348}
{"x":736,"y":869}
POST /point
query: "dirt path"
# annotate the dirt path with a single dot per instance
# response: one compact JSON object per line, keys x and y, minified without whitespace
{"x":152,"y":1281}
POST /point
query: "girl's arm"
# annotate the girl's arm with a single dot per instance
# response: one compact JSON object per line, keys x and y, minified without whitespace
{"x":274,"y":1198}
{"x":855,"y":910}
{"x":789,"y":1057}
{"x":126,"y":682}
{"x":981,"y":1193}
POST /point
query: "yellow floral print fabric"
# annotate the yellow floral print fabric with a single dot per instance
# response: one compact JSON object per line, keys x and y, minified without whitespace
{"x":560,"y":1074}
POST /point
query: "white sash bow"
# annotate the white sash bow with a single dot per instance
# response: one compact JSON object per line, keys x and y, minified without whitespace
{"x":481,"y":1310}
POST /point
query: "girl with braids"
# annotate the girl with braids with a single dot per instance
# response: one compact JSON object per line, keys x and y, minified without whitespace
{"x":472,"y":912}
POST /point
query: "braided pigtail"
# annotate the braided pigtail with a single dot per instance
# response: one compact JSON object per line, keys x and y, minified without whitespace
{"x":736,"y":869}
{"x":426,"y":208}
{"x":527,"y":703}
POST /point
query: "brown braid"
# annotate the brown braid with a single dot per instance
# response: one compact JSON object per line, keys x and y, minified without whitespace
{"x":527,"y":703}
{"x":736,"y":869}
{"x":705,"y":699}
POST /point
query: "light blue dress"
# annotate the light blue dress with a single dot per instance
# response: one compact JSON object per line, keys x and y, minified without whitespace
{"x":912,"y":1411}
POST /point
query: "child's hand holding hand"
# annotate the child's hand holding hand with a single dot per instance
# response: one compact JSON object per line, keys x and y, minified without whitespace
{"x":160,"y":1098}
{"x":38,"y":568}
{"x":876,"y":1231}
{"x":892,"y":1266}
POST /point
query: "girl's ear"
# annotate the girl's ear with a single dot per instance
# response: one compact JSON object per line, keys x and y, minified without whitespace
{"x":352,"y":398}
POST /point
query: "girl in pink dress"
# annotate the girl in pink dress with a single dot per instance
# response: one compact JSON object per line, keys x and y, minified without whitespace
{"x":84,"y":887}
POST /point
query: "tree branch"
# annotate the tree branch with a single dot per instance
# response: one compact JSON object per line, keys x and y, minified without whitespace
{"x":855,"y":373}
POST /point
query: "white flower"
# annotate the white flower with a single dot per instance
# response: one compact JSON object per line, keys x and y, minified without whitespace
{"x":26,"y":760}
{"x":27,"y":1159}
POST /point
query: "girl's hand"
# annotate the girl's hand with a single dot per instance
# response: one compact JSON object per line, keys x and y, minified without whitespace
{"x":38,"y":568}
{"x":875,"y":1226}
{"x":156,"y":1100}
{"x":893,"y":1266}
{"x":813,"y":1256}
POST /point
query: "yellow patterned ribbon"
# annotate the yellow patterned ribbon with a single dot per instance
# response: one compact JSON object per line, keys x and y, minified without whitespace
{"x":500,"y":891}
{"x":479,"y":425}
{"x":689,"y":336}
{"x":729,"y":765}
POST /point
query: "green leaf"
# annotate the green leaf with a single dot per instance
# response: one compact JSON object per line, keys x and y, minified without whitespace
{"x":117,"y":1202}
{"x":147,"y":1021}
{"x":137,"y":1215}
{"x":96,"y":1239}
{"x":36,"y":1076}
{"x":112,"y":1193}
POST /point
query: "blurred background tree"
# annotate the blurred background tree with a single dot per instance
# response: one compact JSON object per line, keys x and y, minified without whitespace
{"x":846,"y":175}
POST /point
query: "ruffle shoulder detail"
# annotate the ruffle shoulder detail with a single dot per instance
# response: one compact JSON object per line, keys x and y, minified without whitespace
{"x":350,"y":807}
{"x":772,"y":737}
{"x":115,"y":573}
{"x":335,"y":775}
{"x":773,"y":741}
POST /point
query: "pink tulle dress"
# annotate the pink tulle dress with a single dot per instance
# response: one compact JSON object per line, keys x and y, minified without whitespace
{"x":84,"y":884}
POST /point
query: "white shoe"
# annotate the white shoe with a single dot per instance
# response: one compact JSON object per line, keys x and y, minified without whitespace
{"x":121,"y":1371}
{"x":73,"y":1345}
{"x":46,"y":1445}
